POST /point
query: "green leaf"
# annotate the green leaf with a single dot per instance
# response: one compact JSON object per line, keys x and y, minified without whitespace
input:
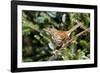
{"x":52,"y":14}
{"x":80,"y":54}
{"x":84,"y":44}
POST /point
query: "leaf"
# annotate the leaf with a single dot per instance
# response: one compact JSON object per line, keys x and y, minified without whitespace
{"x":52,"y":14}
{"x":67,"y":55}
{"x":86,"y":19}
{"x":73,"y":48}
{"x":51,"y":45}
{"x":40,"y":20}
{"x":26,"y":31}
{"x":84,"y":44}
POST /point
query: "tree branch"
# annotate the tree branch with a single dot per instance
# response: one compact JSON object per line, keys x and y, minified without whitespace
{"x":79,"y":34}
{"x":83,"y":27}
{"x":75,"y":27}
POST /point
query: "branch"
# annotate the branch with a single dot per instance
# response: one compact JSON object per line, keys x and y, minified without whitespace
{"x":83,"y":27}
{"x":75,"y":27}
{"x":79,"y":34}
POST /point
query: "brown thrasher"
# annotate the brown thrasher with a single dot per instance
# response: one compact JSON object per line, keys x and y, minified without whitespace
{"x":61,"y":37}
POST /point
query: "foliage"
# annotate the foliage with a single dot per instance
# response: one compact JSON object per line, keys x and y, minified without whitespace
{"x":38,"y":45}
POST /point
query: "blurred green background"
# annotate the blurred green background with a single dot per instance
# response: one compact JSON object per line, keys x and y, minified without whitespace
{"x":37,"y":45}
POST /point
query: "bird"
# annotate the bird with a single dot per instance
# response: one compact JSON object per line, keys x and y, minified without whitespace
{"x":60,"y":37}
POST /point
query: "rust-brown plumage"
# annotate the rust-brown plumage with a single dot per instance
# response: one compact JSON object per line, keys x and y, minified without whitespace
{"x":59,"y":37}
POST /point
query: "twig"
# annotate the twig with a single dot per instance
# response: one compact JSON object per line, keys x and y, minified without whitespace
{"x":75,"y":27}
{"x":83,"y":27}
